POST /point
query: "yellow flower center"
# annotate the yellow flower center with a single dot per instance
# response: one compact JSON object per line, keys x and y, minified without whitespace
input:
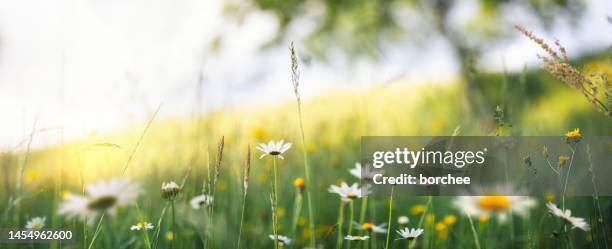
{"x":299,"y":182}
{"x":450,"y":219}
{"x":494,"y":203}
{"x":352,"y":195}
{"x":102,"y":203}
{"x":367,"y":226}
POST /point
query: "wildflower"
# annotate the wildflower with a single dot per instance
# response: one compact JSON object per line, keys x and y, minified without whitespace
{"x":259,"y":133}
{"x":417,"y":209}
{"x":282,"y":240}
{"x":430,"y":218}
{"x":483,"y":218}
{"x":549,"y":196}
{"x":201,"y":200}
{"x":299,"y":183}
{"x":103,"y":196}
{"x":302,"y":221}
{"x":410,"y":233}
{"x":566,"y":215}
{"x":364,"y":173}
{"x":142,"y":225}
{"x":32,"y":175}
{"x":443,"y":234}
{"x":370,"y":227}
{"x":348,"y":193}
{"x":65,"y":194}
{"x":169,"y":236}
{"x":499,"y":205}
{"x":573,"y":136}
{"x":36,"y":223}
{"x":350,"y":237}
{"x":311,"y":147}
{"x":274,"y":149}
{"x":403,"y":220}
{"x":562,"y":160}
{"x":450,"y":219}
{"x":280,"y":212}
{"x":441,"y":229}
{"x":170,"y":190}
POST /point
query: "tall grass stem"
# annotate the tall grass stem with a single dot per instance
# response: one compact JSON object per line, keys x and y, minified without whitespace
{"x":295,"y":80}
{"x":350,"y":224}
{"x":339,"y":226}
{"x":389,"y":218}
{"x":474,"y":233}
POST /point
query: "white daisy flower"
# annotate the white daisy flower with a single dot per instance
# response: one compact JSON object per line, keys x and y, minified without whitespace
{"x":348,"y":193}
{"x":351,"y":237}
{"x":403,"y":220}
{"x":410,"y":233}
{"x":566,"y":216}
{"x":142,"y":225}
{"x":371,"y":227}
{"x":496,"y":205}
{"x":201,"y":200}
{"x":99,"y":197}
{"x":36,"y":223}
{"x":275,"y":149}
{"x":170,"y":190}
{"x":282,"y":240}
{"x":364,"y":173}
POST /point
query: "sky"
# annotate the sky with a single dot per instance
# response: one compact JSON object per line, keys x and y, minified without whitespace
{"x":91,"y":65}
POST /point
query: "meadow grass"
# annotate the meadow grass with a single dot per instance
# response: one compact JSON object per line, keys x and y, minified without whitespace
{"x":167,"y":153}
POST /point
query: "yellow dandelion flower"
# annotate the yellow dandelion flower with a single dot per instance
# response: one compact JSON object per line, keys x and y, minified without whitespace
{"x":417,"y":209}
{"x":483,"y":218}
{"x":259,"y":133}
{"x":32,"y":175}
{"x":443,"y":234}
{"x":299,"y":182}
{"x":450,"y":219}
{"x":301,"y":221}
{"x":573,"y":134}
{"x":311,"y":147}
{"x":169,"y":236}
{"x":280,"y":212}
{"x":65,"y":194}
{"x":440,"y":226}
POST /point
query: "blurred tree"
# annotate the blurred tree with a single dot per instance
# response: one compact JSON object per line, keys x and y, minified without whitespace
{"x":359,"y":27}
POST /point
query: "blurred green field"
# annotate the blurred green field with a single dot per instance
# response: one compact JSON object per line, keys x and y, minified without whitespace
{"x":533,"y":103}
